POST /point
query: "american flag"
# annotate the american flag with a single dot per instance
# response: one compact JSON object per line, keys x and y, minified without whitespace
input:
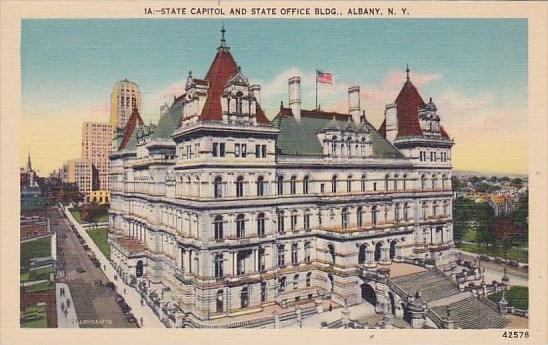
{"x":324,"y":77}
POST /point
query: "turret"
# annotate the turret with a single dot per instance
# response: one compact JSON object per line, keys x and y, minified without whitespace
{"x":295,"y":96}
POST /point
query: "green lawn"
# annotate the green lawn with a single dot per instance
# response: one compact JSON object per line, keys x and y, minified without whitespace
{"x":34,"y":249}
{"x":34,"y":317}
{"x":513,"y":253}
{"x":41,"y":273}
{"x":516,"y":296}
{"x":76,"y":215}
{"x":24,"y":276}
{"x":100,"y":237}
{"x":103,"y":218}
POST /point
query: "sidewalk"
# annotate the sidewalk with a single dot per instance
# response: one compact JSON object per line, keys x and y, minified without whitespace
{"x":132,"y":297}
{"x":68,"y":320}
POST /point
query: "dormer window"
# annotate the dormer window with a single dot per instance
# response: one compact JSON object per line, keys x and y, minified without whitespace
{"x":239,"y":96}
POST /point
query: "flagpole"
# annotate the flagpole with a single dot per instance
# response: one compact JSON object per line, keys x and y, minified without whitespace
{"x":316,"y":90}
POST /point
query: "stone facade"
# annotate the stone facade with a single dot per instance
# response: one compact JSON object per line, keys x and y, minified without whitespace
{"x":232,"y":212}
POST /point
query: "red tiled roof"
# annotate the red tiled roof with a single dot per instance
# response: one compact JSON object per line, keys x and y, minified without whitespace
{"x":134,"y":121}
{"x":408,"y":103}
{"x":319,"y":114}
{"x":222,"y":69}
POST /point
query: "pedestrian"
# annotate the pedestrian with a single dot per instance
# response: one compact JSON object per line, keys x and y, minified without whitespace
{"x":104,"y":267}
{"x":124,"y":291}
{"x":62,"y":306}
{"x":330,"y":307}
{"x":66,"y":312}
{"x":141,"y":302}
{"x":68,"y":303}
{"x":141,"y":319}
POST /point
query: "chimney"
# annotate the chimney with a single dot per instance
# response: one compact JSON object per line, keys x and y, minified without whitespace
{"x":391,"y":122}
{"x":354,"y":103}
{"x":256,"y":91}
{"x":295,"y":96}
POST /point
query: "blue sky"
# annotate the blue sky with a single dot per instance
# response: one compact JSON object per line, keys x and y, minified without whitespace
{"x":70,"y":66}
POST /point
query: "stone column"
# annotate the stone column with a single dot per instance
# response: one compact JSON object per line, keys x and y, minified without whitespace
{"x":399,"y":257}
{"x":385,"y":256}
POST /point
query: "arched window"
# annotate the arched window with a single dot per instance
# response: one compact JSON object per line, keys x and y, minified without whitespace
{"x":396,"y":182}
{"x":239,"y":103}
{"x":240,"y":187}
{"x":404,"y":181}
{"x":295,"y":281}
{"x":306,"y":220}
{"x":359,"y":216}
{"x":294,"y":220}
{"x":397,"y":212}
{"x":308,"y":279}
{"x":294,"y":253}
{"x":444,"y":181}
{"x":374,"y":212}
{"x":219,"y":302}
{"x":218,"y":227}
{"x":281,"y":284}
{"x":434,"y":181}
{"x":334,"y":146}
{"x":281,"y":219}
{"x":218,"y":268}
{"x":435,"y":209}
{"x":363,"y":180}
{"x":240,"y":226}
{"x":293,"y":185}
{"x":281,"y":255}
{"x":218,"y":187}
{"x":406,"y":211}
{"x":331,"y":250}
{"x":307,"y":247}
{"x":344,"y":218}
{"x":349,"y":184}
{"x":334,"y":184}
{"x":423,"y":181}
{"x":260,"y":225}
{"x":260,"y":186}
{"x":244,"y":297}
{"x":386,"y":180}
{"x":280,"y":184}
{"x":305,"y":184}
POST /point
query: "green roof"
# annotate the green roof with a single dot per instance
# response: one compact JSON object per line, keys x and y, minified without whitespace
{"x":300,"y":138}
{"x":169,"y":122}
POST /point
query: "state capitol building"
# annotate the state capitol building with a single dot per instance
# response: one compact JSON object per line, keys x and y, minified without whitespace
{"x":218,"y":211}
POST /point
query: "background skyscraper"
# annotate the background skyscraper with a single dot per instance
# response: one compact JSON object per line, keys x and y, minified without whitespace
{"x":96,"y":148}
{"x":125,"y":96}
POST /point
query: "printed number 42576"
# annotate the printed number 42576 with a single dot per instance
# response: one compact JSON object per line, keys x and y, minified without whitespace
{"x":515,"y":334}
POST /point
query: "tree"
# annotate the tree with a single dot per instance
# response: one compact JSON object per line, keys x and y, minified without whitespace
{"x":493,"y":179}
{"x":91,"y":212}
{"x":517,"y":182}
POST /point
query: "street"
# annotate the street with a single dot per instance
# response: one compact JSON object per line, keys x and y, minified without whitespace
{"x":95,"y":305}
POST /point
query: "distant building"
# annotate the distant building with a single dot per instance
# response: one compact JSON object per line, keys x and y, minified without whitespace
{"x":124,"y":98}
{"x":99,"y":197}
{"x":79,"y":171}
{"x":96,"y":148}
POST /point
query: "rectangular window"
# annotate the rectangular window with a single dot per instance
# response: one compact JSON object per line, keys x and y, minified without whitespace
{"x":236,"y":150}
{"x":221,"y":149}
{"x":257,"y":151}
{"x":244,"y":150}
{"x":263,"y":151}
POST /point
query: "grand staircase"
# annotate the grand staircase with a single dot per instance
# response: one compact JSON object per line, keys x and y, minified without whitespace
{"x":440,"y":293}
{"x":433,"y":285}
{"x":472,"y":313}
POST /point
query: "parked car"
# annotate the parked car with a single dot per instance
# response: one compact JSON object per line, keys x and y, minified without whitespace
{"x":484,"y":258}
{"x":80,"y":269}
{"x":513,"y":263}
{"x":110,"y":285}
{"x":98,"y":282}
{"x":499,"y":260}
